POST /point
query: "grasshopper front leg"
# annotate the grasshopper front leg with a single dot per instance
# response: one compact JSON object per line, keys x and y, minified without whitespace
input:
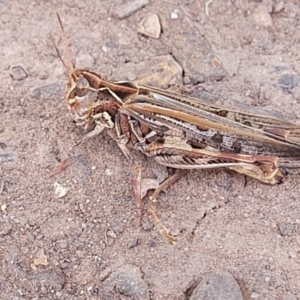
{"x":120,"y":133}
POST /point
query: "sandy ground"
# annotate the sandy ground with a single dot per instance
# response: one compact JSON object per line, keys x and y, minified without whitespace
{"x":249,"y":230}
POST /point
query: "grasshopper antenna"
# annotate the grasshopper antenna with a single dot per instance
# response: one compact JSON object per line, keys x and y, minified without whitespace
{"x":69,"y":67}
{"x":70,"y":70}
{"x":57,"y":52}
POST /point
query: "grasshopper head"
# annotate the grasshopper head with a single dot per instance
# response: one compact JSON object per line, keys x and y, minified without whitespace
{"x":92,"y":100}
{"x":83,"y":92}
{"x":82,"y":95}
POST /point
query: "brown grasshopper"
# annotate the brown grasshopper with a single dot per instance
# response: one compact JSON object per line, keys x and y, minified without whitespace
{"x":181,"y":132}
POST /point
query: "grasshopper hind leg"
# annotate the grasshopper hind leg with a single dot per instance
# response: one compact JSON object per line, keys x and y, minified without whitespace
{"x":152,"y":211}
{"x":260,"y":173}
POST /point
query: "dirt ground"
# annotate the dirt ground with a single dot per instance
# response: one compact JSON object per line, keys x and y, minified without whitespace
{"x":71,"y":247}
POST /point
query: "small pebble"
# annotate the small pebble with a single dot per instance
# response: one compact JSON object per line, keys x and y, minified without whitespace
{"x":85,"y":61}
{"x":3,"y":146}
{"x":51,"y":91}
{"x":127,"y":280}
{"x":278,"y":7}
{"x":129,"y":8}
{"x":60,"y":191}
{"x":21,"y":292}
{"x":108,"y":172}
{"x":219,"y":286}
{"x":18,"y":73}
{"x":63,"y":244}
{"x":134,"y":243}
{"x":111,"y":234}
{"x":286,"y":229}
{"x":7,"y":157}
{"x":41,"y":261}
{"x":43,"y":75}
{"x":148,"y":226}
{"x":174,"y":15}
{"x":261,"y":16}
{"x":31,"y":223}
{"x":292,"y":254}
{"x":269,"y":5}
{"x":104,"y":48}
{"x":150,"y":26}
{"x":5,"y":230}
{"x":287,"y":82}
{"x":255,"y":296}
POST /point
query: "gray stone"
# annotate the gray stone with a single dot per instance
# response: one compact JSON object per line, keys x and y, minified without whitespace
{"x":159,"y":72}
{"x":286,"y":229}
{"x":85,"y":272}
{"x":198,"y":60}
{"x":85,"y":61}
{"x":128,"y":9}
{"x":51,"y":91}
{"x":50,"y":279}
{"x":7,"y":157}
{"x":127,"y":281}
{"x":3,"y":146}
{"x":288,"y":81}
{"x":261,"y":16}
{"x":18,"y":73}
{"x":217,"y":286}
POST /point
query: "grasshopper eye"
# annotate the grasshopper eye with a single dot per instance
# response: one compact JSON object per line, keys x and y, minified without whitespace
{"x":82,"y":87}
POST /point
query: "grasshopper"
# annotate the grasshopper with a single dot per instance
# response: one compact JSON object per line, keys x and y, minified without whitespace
{"x":180,"y":131}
